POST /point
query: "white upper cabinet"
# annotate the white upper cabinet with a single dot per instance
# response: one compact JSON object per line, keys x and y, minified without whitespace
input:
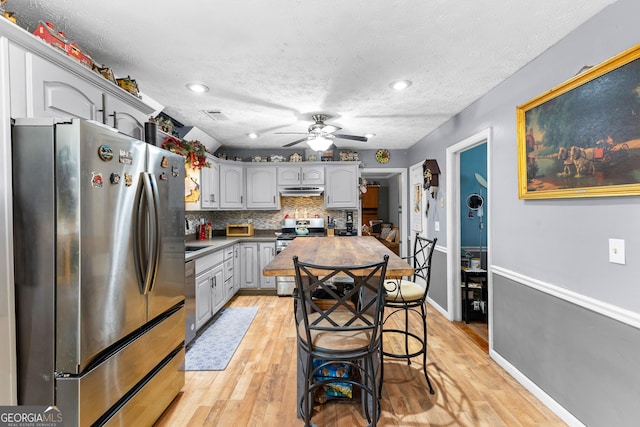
{"x":231,"y":186}
{"x":210,"y":177}
{"x":124,"y":117}
{"x":341,"y":190}
{"x":300,"y":175}
{"x":44,"y":82}
{"x":54,"y":92}
{"x":262,"y":188}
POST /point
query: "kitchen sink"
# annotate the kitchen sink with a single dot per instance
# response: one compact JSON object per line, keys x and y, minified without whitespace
{"x":190,"y":249}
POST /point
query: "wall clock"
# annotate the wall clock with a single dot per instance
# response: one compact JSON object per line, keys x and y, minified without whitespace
{"x":383,"y":156}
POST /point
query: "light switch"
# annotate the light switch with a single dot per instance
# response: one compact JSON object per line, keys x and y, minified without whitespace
{"x":616,"y":251}
{"x":436,"y":225}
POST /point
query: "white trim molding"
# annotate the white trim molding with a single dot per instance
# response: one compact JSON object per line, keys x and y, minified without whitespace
{"x":609,"y":310}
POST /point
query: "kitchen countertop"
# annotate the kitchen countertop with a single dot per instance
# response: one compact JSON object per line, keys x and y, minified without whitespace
{"x":336,"y":250}
{"x":221,"y":242}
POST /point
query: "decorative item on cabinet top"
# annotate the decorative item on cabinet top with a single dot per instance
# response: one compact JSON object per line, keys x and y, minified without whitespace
{"x":193,"y":151}
{"x":128,"y":84}
{"x":47,"y":32}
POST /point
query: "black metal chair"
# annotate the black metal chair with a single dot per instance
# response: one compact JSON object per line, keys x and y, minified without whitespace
{"x":339,"y":330}
{"x":404,"y":296}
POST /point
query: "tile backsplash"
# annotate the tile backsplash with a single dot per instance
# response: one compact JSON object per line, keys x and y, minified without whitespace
{"x":269,"y":220}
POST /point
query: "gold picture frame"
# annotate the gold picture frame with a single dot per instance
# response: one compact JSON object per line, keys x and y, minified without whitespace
{"x":582,"y":138}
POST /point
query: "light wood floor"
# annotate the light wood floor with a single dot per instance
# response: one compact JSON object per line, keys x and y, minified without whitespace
{"x":258,"y":386}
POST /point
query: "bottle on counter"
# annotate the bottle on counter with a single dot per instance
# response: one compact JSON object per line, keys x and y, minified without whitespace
{"x":202,"y":230}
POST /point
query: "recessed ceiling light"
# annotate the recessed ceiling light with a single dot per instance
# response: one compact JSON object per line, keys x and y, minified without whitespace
{"x":369,"y":135}
{"x":400,"y":84}
{"x":197,"y":87}
{"x":252,"y":135}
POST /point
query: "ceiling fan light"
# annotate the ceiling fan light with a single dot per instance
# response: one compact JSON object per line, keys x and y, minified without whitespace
{"x":319,"y":143}
{"x":252,"y":135}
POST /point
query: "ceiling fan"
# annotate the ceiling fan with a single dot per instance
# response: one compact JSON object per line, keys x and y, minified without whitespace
{"x":320,"y":135}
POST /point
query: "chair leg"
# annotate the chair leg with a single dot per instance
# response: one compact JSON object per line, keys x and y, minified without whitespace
{"x":307,"y":400}
{"x":424,"y":348}
{"x":381,"y":367}
{"x":406,"y":335}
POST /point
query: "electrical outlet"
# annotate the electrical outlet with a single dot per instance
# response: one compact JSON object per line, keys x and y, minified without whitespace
{"x":616,"y":251}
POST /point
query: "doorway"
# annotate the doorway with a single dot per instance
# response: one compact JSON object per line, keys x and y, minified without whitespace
{"x":468,"y":233}
{"x":389,"y":184}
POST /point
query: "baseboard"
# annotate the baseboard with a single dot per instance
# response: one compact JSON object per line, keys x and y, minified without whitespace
{"x":536,"y":391}
{"x":256,"y":291}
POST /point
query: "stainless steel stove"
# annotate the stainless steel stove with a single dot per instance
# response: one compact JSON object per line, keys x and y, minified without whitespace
{"x":285,"y":285}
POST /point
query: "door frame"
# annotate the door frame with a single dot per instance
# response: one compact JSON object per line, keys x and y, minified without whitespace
{"x":402,"y":186}
{"x":454,"y":292}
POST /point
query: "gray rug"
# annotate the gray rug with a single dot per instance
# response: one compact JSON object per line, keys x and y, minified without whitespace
{"x":213,"y":349}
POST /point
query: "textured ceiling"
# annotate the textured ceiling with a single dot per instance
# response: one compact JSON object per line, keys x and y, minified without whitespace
{"x":271,"y":64}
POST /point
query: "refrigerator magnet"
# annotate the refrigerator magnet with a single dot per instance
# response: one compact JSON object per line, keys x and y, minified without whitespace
{"x":105,"y":153}
{"x":128,"y":179}
{"x":163,"y":177}
{"x":126,"y":157}
{"x":114,"y":178}
{"x":164,"y":162}
{"x":175,"y":172}
{"x":96,"y":180}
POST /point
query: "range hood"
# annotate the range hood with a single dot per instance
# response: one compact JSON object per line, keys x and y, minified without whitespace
{"x":303,"y":190}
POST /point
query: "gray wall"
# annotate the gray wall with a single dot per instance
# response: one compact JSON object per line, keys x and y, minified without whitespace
{"x":572,"y":347}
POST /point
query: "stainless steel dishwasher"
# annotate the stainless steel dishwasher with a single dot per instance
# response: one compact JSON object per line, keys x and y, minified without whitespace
{"x":190,"y":300}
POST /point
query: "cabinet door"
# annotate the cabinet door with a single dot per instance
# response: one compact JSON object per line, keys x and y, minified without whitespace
{"x":217,"y":289}
{"x":203,"y":299}
{"x":262,"y":188}
{"x":192,"y":189}
{"x":341,"y":187}
{"x":312,"y":174}
{"x":249,"y":261}
{"x":210,"y":185}
{"x":267,"y":253}
{"x":231,"y":186}
{"x":56,"y":92}
{"x":289,"y":175}
{"x":124,"y":117}
{"x":236,"y":268}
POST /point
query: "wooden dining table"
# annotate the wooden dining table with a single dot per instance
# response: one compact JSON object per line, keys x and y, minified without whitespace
{"x":336,"y":251}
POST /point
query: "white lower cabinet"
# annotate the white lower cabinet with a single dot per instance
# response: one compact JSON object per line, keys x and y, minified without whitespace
{"x":249,"y":265}
{"x":210,"y":287}
{"x":267,"y":252}
{"x":254,"y":256}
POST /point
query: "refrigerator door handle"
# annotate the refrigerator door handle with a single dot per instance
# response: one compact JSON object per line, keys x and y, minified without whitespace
{"x":154,"y":235}
{"x":145,"y":238}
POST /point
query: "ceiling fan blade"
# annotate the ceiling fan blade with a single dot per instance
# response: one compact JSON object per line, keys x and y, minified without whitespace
{"x":291,"y":144}
{"x":352,"y":137}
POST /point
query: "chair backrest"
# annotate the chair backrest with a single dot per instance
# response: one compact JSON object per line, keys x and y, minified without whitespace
{"x":422,"y":254}
{"x":354,"y":305}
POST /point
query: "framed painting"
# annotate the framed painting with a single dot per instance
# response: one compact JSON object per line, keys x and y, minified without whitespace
{"x":582,"y":138}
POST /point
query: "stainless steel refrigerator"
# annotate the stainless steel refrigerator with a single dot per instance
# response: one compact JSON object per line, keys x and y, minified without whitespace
{"x":99,"y":272}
